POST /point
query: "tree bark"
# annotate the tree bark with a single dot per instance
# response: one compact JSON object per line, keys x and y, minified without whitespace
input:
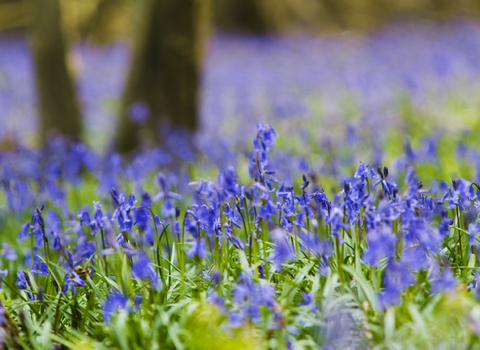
{"x":249,"y":16}
{"x":59,"y":109}
{"x":165,"y":69}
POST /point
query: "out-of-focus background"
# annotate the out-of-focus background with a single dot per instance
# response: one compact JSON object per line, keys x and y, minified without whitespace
{"x":342,"y":80}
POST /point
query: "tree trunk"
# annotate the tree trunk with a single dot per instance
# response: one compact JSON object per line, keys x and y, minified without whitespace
{"x":165,"y":69}
{"x":59,"y":109}
{"x":250,"y":16}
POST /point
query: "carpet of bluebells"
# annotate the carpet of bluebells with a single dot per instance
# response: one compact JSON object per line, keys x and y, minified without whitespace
{"x":353,"y":226}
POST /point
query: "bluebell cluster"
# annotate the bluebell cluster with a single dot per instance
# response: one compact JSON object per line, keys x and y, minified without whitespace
{"x":397,"y":233}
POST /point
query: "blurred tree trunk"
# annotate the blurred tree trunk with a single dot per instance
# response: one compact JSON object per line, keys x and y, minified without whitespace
{"x":165,"y":69}
{"x":59,"y":109}
{"x":250,"y":16}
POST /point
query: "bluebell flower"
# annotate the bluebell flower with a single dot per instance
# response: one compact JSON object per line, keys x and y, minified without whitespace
{"x":37,"y":219}
{"x":228,"y":182}
{"x":41,"y":269}
{"x":248,"y":297}
{"x":396,"y":279}
{"x":362,"y":172}
{"x":444,"y":281}
{"x":84,"y":218}
{"x":387,"y":186}
{"x":313,"y":244}
{"x":215,"y":299}
{"x":473,"y":230}
{"x":308,"y":298}
{"x":335,"y":219}
{"x":72,"y":280}
{"x":143,"y":269}
{"x":113,"y":303}
{"x":142,"y":217}
{"x":381,"y":244}
{"x":157,"y":220}
{"x":168,"y":209}
{"x":139,"y":112}
{"x":267,"y":210}
{"x":198,"y":249}
{"x":415,"y":257}
{"x":24,"y":232}
{"x":98,"y":217}
{"x":444,"y":226}
{"x":23,"y":281}
{"x":54,"y":222}
{"x":84,"y":248}
{"x":8,"y":253}
{"x":165,"y":192}
{"x":231,"y":217}
{"x":237,"y":243}
{"x":283,"y":250}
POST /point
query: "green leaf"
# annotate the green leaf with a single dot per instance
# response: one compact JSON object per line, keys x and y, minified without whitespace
{"x":364,"y":285}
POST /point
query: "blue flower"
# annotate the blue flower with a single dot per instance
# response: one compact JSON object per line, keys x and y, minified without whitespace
{"x":42,"y":269}
{"x":198,"y":249}
{"x":139,"y":112}
{"x":72,"y":280}
{"x":381,"y":244}
{"x":444,"y":281}
{"x":113,"y":303}
{"x":283,"y":249}
{"x":143,"y":269}
{"x":444,"y":226}
{"x":8,"y":253}
{"x":22,"y":280}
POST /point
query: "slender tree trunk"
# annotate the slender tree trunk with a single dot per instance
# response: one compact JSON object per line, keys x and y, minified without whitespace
{"x":250,"y":16}
{"x":165,"y":70}
{"x":59,"y":109}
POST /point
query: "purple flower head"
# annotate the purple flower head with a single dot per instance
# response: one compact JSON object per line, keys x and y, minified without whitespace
{"x":381,"y":244}
{"x":23,"y":281}
{"x":37,"y":219}
{"x":266,"y":136}
{"x":198,"y":249}
{"x":473,"y":230}
{"x":228,"y":182}
{"x":157,"y":220}
{"x":41,"y":269}
{"x":142,"y":217}
{"x":283,"y":250}
{"x":113,"y":303}
{"x":143,"y":269}
{"x":164,"y":191}
{"x":335,"y":219}
{"x":363,"y":172}
{"x":8,"y":253}
{"x":72,"y":280}
{"x":397,"y":278}
{"x":444,"y":226}
{"x":139,"y":112}
{"x":84,"y":218}
{"x":84,"y":248}
{"x":312,"y":243}
{"x":24,"y":232}
{"x":443,"y":282}
{"x":98,"y":217}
